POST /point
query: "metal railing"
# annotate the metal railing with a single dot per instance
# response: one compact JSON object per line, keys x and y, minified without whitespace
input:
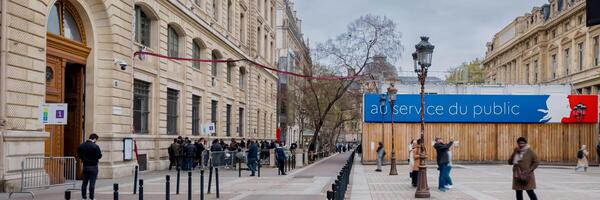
{"x":45,"y":172}
{"x":340,"y":186}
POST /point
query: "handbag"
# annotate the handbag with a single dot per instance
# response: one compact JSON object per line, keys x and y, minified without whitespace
{"x":521,"y":175}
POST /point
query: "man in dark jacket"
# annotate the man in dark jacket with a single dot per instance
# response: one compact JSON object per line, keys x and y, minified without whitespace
{"x":252,"y":157}
{"x":176,"y":149}
{"x":280,"y":158}
{"x":90,"y":154}
{"x":172,"y":157}
{"x":189,"y":152}
{"x":598,"y":152}
{"x":443,"y":160}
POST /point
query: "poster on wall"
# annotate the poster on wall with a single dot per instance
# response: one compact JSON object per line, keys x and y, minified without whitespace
{"x":127,"y":149}
{"x":451,"y":108}
{"x":53,"y":113}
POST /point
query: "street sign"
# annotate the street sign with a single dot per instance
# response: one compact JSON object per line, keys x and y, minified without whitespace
{"x":53,"y":113}
{"x":209,"y":128}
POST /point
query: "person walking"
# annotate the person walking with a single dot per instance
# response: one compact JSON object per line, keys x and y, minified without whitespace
{"x":380,"y":155}
{"x":172,"y":157}
{"x":524,"y":162}
{"x":598,"y":153}
{"x":252,"y":157}
{"x":280,"y":158}
{"x":89,"y":153}
{"x":189,"y":152}
{"x":582,"y":159}
{"x":413,"y":162}
{"x":443,"y":160}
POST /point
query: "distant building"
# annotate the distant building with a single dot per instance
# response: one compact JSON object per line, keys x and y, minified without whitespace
{"x":550,"y":45}
{"x":377,"y":72}
{"x":413,"y":80}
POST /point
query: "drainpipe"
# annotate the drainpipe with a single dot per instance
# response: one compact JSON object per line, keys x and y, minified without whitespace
{"x":3,"y":50}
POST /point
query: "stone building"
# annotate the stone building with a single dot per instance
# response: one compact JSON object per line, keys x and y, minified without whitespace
{"x":550,"y":45}
{"x":293,"y":55}
{"x":73,"y":52}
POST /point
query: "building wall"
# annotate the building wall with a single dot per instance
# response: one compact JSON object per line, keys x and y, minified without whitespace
{"x":512,"y":54}
{"x":293,"y":55}
{"x":108,"y":98}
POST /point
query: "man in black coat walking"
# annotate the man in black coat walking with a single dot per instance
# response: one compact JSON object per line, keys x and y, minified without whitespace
{"x":90,"y":154}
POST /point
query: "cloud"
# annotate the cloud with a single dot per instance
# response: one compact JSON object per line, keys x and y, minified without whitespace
{"x":458,"y":28}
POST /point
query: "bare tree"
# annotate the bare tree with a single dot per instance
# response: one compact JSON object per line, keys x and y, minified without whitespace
{"x":346,"y":55}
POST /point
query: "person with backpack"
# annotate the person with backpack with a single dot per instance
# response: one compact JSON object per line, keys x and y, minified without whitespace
{"x":189,"y":152}
{"x":252,"y":157}
{"x":582,"y":161}
{"x":280,"y":157}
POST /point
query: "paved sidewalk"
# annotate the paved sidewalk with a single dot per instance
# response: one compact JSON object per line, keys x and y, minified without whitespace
{"x":306,"y":183}
{"x":477,"y":182}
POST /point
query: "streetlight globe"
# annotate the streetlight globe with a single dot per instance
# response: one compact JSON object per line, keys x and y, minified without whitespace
{"x":424,"y":52}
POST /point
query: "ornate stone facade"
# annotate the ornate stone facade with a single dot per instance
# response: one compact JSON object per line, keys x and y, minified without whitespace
{"x":180,"y":94}
{"x":550,"y":45}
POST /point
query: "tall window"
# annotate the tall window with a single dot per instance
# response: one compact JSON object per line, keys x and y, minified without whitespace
{"x":229,"y":16}
{"x":142,"y":27}
{"x":196,"y":53}
{"x":581,"y":56}
{"x":567,"y":61}
{"x":195,"y":115}
{"x":242,"y":78}
{"x":271,"y":55}
{"x":213,"y":114}
{"x":229,"y":71}
{"x":265,"y":47}
{"x":172,"y":103}
{"x":527,"y":74}
{"x":141,"y":106}
{"x":216,"y":10}
{"x":265,"y":124}
{"x":214,"y":65}
{"x":173,"y":42}
{"x":258,"y":40}
{"x":228,"y":121}
{"x":242,"y":28}
{"x":596,"y":51}
{"x":554,"y":66}
{"x":535,"y":71}
{"x":266,"y":5}
{"x":272,"y":17}
{"x":241,"y":122}
{"x":257,"y":121}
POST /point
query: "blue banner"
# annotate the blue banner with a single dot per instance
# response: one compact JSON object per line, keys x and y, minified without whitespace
{"x":444,"y":108}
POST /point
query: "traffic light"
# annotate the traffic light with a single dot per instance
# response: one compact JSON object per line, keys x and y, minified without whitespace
{"x":593,"y":12}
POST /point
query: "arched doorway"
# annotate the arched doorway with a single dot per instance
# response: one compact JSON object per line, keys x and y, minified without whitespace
{"x":66,"y":58}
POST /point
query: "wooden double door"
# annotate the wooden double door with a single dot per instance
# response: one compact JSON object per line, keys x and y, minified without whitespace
{"x":65,"y":83}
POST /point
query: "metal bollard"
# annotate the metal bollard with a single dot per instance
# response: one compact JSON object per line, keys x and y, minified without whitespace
{"x":217,"y":180}
{"x":189,"y":185}
{"x":178,"y":180}
{"x":168,"y":188}
{"x":259,"y":164}
{"x":210,"y":174}
{"x":202,"y":184}
{"x":329,"y":195}
{"x":135,"y":179}
{"x":334,"y":189}
{"x":239,"y":168}
{"x":141,"y":194}
{"x":116,"y":191}
{"x":67,"y":194}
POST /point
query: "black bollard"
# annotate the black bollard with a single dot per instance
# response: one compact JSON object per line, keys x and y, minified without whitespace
{"x":189,"y":185}
{"x":178,"y":180}
{"x":116,"y":191}
{"x":168,"y":187}
{"x":202,"y":184}
{"x":329,"y":195}
{"x":135,"y":179}
{"x":210,"y":174}
{"x":239,"y":168}
{"x":141,"y":194}
{"x":259,"y":164}
{"x":217,"y":180}
{"x":67,"y":194}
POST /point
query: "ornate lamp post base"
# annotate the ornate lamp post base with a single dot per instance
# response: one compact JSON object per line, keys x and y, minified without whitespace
{"x":422,"y":187}
{"x":393,"y":170}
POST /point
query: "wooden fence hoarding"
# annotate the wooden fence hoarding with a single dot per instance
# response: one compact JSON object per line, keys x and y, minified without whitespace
{"x":485,"y":142}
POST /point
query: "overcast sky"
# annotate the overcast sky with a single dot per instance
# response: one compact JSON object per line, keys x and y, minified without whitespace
{"x":459,"y":29}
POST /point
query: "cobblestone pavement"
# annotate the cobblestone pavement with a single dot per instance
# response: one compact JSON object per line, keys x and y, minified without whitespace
{"x":481,"y":182}
{"x":306,"y":183}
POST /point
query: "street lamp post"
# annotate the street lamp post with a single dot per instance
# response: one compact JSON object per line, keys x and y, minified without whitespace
{"x":392,"y":97}
{"x":422,"y":58}
{"x":381,"y":106}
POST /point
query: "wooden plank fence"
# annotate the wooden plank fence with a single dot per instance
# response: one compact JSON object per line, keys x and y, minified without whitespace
{"x":485,"y":143}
